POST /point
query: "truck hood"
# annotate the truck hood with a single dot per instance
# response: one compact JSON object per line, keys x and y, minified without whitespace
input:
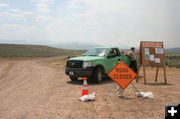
{"x":87,"y":58}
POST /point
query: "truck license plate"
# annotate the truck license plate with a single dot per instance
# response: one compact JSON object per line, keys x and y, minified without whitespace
{"x":71,"y":73}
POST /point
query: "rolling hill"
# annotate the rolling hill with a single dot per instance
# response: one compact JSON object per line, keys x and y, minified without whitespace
{"x":172,"y":50}
{"x":17,"y":50}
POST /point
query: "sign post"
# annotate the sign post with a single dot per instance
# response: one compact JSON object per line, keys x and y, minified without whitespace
{"x":135,"y":88}
{"x":110,"y":90}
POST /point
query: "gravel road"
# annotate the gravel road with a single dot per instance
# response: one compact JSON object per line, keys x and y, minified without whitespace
{"x":37,"y":88}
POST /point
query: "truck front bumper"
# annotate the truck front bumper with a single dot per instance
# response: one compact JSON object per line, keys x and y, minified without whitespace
{"x":79,"y":72}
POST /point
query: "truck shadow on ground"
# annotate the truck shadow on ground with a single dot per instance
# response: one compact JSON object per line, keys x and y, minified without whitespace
{"x":80,"y":82}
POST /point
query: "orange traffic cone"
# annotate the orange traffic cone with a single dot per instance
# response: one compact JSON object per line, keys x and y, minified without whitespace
{"x":85,"y":90}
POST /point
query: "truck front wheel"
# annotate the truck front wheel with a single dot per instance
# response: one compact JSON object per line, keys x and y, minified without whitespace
{"x":73,"y":78}
{"x":98,"y":75}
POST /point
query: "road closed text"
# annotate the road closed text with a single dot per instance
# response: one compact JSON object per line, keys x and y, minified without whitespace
{"x":121,"y":70}
{"x":122,"y":76}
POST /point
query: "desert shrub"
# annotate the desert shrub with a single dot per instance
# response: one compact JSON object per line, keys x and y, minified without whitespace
{"x":172,"y":60}
{"x":177,"y":66}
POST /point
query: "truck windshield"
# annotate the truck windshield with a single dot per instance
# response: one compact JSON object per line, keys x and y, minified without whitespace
{"x":96,"y":52}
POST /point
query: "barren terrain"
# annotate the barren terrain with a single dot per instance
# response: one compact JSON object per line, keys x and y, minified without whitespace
{"x":37,"y":88}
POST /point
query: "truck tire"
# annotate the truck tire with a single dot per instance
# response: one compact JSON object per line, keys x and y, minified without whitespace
{"x":73,"y":78}
{"x":98,"y":75}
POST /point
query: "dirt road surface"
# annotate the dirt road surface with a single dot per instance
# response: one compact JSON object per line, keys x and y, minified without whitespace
{"x":37,"y":88}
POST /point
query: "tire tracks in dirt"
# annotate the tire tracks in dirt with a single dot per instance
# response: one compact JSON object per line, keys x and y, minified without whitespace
{"x":6,"y":70}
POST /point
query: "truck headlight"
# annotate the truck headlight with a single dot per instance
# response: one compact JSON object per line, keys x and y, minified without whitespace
{"x":86,"y":64}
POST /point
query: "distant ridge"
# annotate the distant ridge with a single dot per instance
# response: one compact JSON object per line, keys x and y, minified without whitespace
{"x":172,"y":50}
{"x":75,"y":45}
{"x":19,"y":50}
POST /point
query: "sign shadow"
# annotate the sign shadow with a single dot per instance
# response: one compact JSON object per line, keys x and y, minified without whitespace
{"x":159,"y":84}
{"x":125,"y":98}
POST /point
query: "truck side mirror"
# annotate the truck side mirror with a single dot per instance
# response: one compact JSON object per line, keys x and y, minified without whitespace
{"x":111,"y":56}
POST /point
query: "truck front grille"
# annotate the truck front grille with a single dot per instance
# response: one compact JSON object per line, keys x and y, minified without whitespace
{"x":74,"y":64}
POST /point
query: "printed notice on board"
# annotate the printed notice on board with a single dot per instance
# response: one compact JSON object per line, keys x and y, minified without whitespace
{"x":159,"y":50}
{"x":157,"y":60}
{"x":146,"y":53}
{"x":151,"y":57}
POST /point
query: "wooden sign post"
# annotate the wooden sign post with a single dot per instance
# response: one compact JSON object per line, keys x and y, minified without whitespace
{"x":151,"y":54}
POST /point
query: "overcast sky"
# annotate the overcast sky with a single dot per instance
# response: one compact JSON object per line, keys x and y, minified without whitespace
{"x":122,"y":23}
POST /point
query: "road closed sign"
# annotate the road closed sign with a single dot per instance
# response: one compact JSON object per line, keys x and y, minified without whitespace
{"x":122,"y":75}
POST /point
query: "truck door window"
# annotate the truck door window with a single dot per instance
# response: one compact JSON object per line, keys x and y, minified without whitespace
{"x":111,"y":52}
{"x":114,"y":51}
{"x":118,"y":53}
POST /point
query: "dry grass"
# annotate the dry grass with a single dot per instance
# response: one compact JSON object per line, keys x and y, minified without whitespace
{"x":173,"y":60}
{"x":12,"y":50}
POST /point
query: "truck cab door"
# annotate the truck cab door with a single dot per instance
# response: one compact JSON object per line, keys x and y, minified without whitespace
{"x":117,"y":58}
{"x":112,"y":59}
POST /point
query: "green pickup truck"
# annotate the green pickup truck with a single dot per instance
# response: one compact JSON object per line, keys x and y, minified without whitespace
{"x":95,"y":63}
